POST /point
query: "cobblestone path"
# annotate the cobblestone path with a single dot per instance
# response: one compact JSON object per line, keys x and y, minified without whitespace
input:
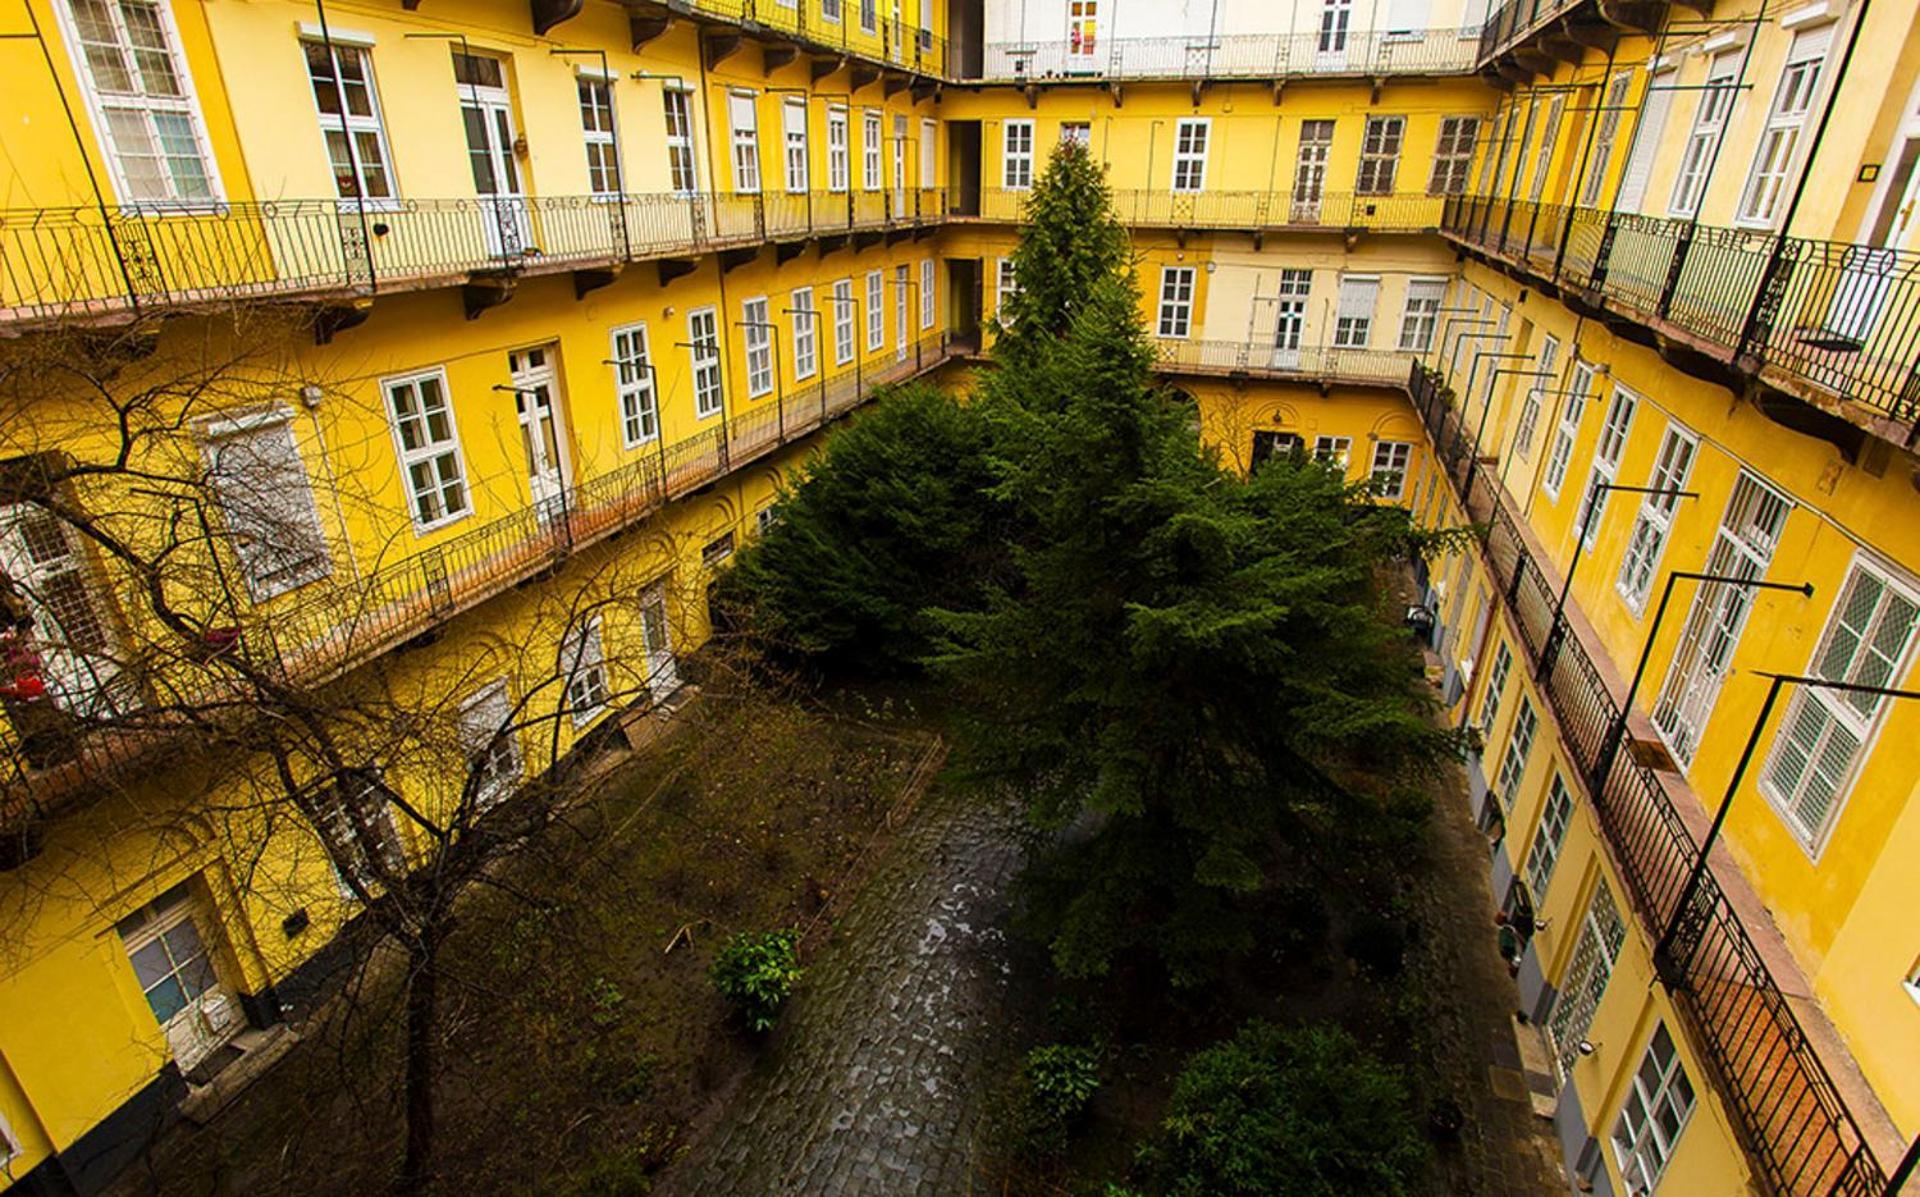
{"x":887,"y":1061}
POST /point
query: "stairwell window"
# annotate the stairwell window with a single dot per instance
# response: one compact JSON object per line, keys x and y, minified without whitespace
{"x":1390,"y":461}
{"x":926,"y":294}
{"x":429,"y":446}
{"x":793,"y":123}
{"x":1555,"y":475}
{"x":837,"y":162}
{"x":805,"y":355}
{"x":876,"y":311}
{"x":1654,"y":521}
{"x":1658,"y":1105}
{"x":703,"y":337}
{"x":680,"y":161}
{"x":757,"y":333}
{"x":1606,"y":464}
{"x":1380,"y":155}
{"x":843,"y":321}
{"x":1353,"y":318}
{"x":1716,"y":102}
{"x":1176,"y":301}
{"x":1496,"y":685}
{"x":1613,"y":107}
{"x":1529,"y":421}
{"x":1422,"y":313}
{"x":350,"y":120}
{"x":596,"y":122}
{"x":744,"y":120}
{"x":870,"y":150}
{"x":1016,"y":159}
{"x":266,"y":500}
{"x":1453,"y":155}
{"x":583,"y":665}
{"x":1548,"y":838}
{"x":491,"y":743}
{"x":633,"y":383}
{"x":1822,"y":738}
{"x":1513,"y":766}
{"x":1190,"y":154}
{"x":1780,"y":140}
{"x":136,"y":81}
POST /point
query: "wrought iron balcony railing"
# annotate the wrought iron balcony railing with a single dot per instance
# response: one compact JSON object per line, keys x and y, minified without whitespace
{"x":1234,"y":210}
{"x":80,"y":263}
{"x":860,"y":30}
{"x":1310,"y":363}
{"x":1799,"y":1133}
{"x":1427,"y":51}
{"x":1513,"y":21}
{"x":334,"y":624}
{"x":1821,"y":317}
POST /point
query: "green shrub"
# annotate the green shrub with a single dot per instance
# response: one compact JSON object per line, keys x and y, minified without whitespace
{"x":1057,"y":1082}
{"x":1273,"y":1113}
{"x":756,"y":972}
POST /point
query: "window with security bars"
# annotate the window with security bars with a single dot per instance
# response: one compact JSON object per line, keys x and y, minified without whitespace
{"x":1422,"y":313}
{"x":142,"y":98}
{"x":1190,"y":155}
{"x":1743,"y":547}
{"x":1658,"y":1105}
{"x":1380,"y":155}
{"x":583,"y":666}
{"x":596,"y":122}
{"x":1548,"y":837}
{"x":355,"y":815}
{"x":1602,"y":934}
{"x":703,"y":340}
{"x":1780,"y":140}
{"x":1496,"y":686}
{"x":1529,"y":422}
{"x":680,"y":161}
{"x":1821,"y":738}
{"x":1561,"y":453}
{"x":805,"y":335}
{"x":633,"y":383}
{"x":1716,"y":101}
{"x":1513,"y":766}
{"x":1353,"y":317}
{"x":1453,"y":155}
{"x":844,"y":318}
{"x":1390,"y":461}
{"x":1654,"y":522}
{"x":429,"y":447}
{"x":492,"y":744}
{"x":1605,"y":134}
{"x":1176,"y":301}
{"x":1017,"y":156}
{"x":350,"y":120}
{"x":757,"y":334}
{"x":266,"y":502}
{"x":1606,"y":463}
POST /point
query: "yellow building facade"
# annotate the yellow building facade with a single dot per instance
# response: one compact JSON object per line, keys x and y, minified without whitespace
{"x":506,"y":322}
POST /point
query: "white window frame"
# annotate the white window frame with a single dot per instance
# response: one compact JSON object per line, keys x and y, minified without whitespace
{"x":1391,"y":461}
{"x":608,"y":139}
{"x":1336,"y":451}
{"x":1177,"y":285}
{"x":1778,"y":147}
{"x":709,"y":383}
{"x":1191,"y":136}
{"x":1421,"y":313}
{"x":926,"y":294}
{"x":1513,"y":766}
{"x":676,"y":108}
{"x":838,"y":163}
{"x":1653,"y":523}
{"x":1643,"y":1151}
{"x":845,"y":318}
{"x":902,"y":314}
{"x":1351,"y":330}
{"x":633,"y":385}
{"x":272,"y":569}
{"x":186,"y":105}
{"x":1453,"y":155}
{"x":350,"y":126}
{"x":871,"y":132}
{"x":756,"y":333}
{"x":1016,"y":155}
{"x":428,"y":452}
{"x":1607,"y":452}
{"x":1529,"y":421}
{"x":1716,"y":105}
{"x":744,"y":139}
{"x":830,"y":11}
{"x":1858,"y":717}
{"x":1604,"y":135}
{"x":876,"y":311}
{"x":485,"y":727}
{"x":1549,"y":836}
{"x":583,"y":669}
{"x":1566,"y":430}
{"x":1380,"y":146}
{"x":929,"y":144}
{"x":1490,"y":698}
{"x":1006,"y":282}
{"x":806,"y":355}
{"x":799,"y":171}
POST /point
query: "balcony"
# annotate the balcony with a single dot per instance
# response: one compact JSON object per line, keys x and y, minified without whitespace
{"x":328,"y":627}
{"x":1830,"y":329}
{"x":1255,"y":212}
{"x":1798,"y":1104}
{"x":86,"y":264}
{"x":880,"y":49}
{"x":1267,"y":57}
{"x":1315,"y":364}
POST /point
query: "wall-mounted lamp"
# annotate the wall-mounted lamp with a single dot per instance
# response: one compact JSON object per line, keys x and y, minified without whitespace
{"x":310,"y":395}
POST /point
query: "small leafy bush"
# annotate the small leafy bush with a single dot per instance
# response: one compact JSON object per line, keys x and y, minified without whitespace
{"x":1273,"y":1113}
{"x":1057,"y":1082}
{"x":756,"y":972}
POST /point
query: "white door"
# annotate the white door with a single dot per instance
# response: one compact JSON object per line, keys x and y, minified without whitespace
{"x":1310,"y":171}
{"x":1335,"y":17}
{"x":70,"y":637}
{"x":534,"y":385}
{"x":487,"y":112}
{"x":901,"y":282}
{"x":1291,"y":320}
{"x":1083,"y":29}
{"x":663,"y":673}
{"x":1868,"y":267}
{"x":172,"y":962}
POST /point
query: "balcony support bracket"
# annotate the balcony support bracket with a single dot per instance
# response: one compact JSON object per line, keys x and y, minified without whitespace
{"x":775,"y":55}
{"x":787,"y":251}
{"x":861,"y":75}
{"x":1790,"y":411}
{"x":1259,"y":239}
{"x":1592,"y":35}
{"x":865,"y":240}
{"x":895,"y":236}
{"x":594,"y":279}
{"x":832,"y":244}
{"x":1199,"y":88}
{"x":1634,"y":16}
{"x":732,"y":259}
{"x":1379,"y":82}
{"x":1118,"y":92}
{"x":924,"y":88}
{"x":489,"y":290}
{"x":1279,"y":89}
{"x":894,"y":82}
{"x":673,"y":268}
{"x":821,"y":65}
{"x":716,"y":48}
{"x":332,"y":318}
{"x":549,"y":13}
{"x":643,"y":27}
